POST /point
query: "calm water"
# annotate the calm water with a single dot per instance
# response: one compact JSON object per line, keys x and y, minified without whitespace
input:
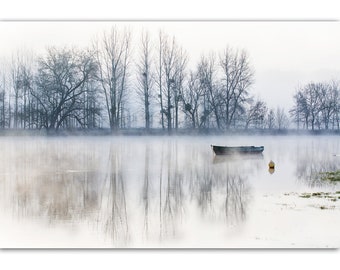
{"x":166,"y":192}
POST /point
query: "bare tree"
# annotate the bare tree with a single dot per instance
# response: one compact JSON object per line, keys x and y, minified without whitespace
{"x":145,"y":77}
{"x":169,"y":54}
{"x":335,"y":117}
{"x":211,"y":100}
{"x":192,"y":99}
{"x":160,"y":77}
{"x":282,"y":120}
{"x":22,"y":81}
{"x":3,"y":101}
{"x":317,"y":105}
{"x":300,"y":112}
{"x":271,"y":119}
{"x":92,"y":105}
{"x":113,"y":56}
{"x":256,"y":114}
{"x":329,"y":99}
{"x":173,"y":65}
{"x":17,"y":87}
{"x":313,"y":98}
{"x":179,"y":81}
{"x":238,"y":76}
{"x":27,"y":80}
{"x":309,"y":104}
{"x":60,"y":81}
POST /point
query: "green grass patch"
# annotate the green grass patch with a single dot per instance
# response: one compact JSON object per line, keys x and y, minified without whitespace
{"x":317,"y":194}
{"x":305,"y":195}
{"x":325,"y":195}
{"x":330,"y":176}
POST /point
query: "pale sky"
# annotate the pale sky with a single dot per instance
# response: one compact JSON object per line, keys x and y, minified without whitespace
{"x":283,"y":54}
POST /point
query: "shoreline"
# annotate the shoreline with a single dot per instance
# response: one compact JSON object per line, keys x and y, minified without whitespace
{"x":160,"y":132}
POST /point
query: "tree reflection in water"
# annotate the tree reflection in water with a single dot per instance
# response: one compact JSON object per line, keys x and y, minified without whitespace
{"x":171,"y":204}
{"x":223,"y":184}
{"x":114,"y":206}
{"x":86,"y":183}
{"x":219,"y":191}
{"x":146,"y":190}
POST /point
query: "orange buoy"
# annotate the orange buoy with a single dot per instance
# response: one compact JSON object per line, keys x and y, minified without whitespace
{"x":271,"y":166}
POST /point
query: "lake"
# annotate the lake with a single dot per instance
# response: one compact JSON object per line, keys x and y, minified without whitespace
{"x":168,"y":192}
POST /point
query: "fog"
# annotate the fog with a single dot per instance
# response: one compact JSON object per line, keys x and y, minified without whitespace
{"x":167,"y":192}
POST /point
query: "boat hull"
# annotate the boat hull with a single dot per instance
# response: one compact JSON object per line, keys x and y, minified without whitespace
{"x":230,"y":150}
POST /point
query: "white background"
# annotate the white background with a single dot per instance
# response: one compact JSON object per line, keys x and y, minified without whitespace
{"x":169,"y":259}
{"x":174,"y":9}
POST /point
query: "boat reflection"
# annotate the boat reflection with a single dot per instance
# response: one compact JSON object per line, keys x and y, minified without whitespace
{"x":236,"y":158}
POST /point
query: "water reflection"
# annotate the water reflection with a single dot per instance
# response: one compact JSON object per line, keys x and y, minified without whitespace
{"x":310,"y":162}
{"x":53,"y":185}
{"x":236,"y":158}
{"x":101,"y":185}
{"x":146,"y":190}
{"x":171,"y":191}
{"x":231,"y":179}
{"x":113,"y":207}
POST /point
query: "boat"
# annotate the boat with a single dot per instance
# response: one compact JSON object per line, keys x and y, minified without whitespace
{"x":230,"y":150}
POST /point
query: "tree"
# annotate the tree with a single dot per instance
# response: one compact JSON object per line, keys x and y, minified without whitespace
{"x":92,"y":105}
{"x":238,"y":77}
{"x":300,"y":111}
{"x":192,"y":98}
{"x":335,"y":117}
{"x":3,"y":102}
{"x":60,"y":86}
{"x":173,"y":65}
{"x":282,"y":120}
{"x":169,"y":54}
{"x":113,"y":56}
{"x":256,"y":114}
{"x":145,"y":77}
{"x":22,"y":80}
{"x":179,"y":81}
{"x":313,"y":99}
{"x":16,"y":88}
{"x":315,"y":104}
{"x":160,"y":77}
{"x":206,"y":72}
{"x":329,"y":101}
{"x":271,"y":119}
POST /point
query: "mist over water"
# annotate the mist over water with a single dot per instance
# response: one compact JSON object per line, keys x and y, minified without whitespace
{"x":165,"y":192}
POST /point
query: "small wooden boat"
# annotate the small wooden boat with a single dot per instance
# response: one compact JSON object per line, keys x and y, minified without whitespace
{"x":230,"y":150}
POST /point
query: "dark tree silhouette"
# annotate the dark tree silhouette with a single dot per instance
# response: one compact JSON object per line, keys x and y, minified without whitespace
{"x":60,"y":85}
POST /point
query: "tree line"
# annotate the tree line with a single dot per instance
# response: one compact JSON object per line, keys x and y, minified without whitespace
{"x":112,"y":84}
{"x":317,"y":106}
